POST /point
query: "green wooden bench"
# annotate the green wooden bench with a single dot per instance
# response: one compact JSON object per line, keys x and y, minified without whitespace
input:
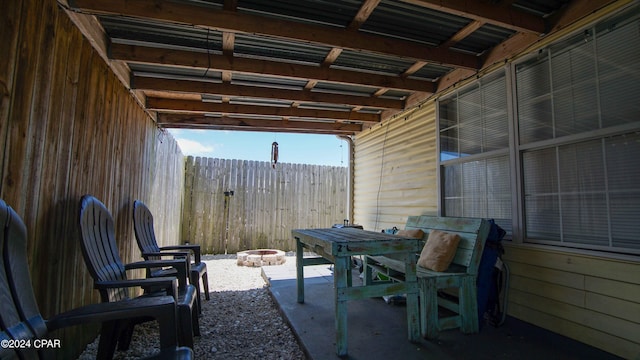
{"x":458,"y":280}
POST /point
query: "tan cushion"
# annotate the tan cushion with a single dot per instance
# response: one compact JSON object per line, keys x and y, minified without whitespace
{"x":439,"y":250}
{"x":413,"y":233}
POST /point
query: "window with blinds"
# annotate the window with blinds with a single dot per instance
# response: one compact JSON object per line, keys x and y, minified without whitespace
{"x":578,"y":115}
{"x":474,"y":146}
{"x":575,"y":151}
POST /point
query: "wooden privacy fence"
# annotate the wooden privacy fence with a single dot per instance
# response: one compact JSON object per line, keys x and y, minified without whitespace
{"x":235,"y":205}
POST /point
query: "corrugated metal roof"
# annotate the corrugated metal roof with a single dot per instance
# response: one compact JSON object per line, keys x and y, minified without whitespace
{"x":344,"y":89}
{"x":263,"y":47}
{"x":171,"y":72}
{"x":411,"y":22}
{"x":268,"y":81}
{"x":318,"y":106}
{"x":486,"y":37}
{"x":540,"y":7}
{"x":161,"y":34}
{"x":431,"y":72}
{"x":325,"y":12}
{"x":395,"y":94}
{"x":259,"y":102}
{"x":381,"y":64}
{"x":338,"y":55}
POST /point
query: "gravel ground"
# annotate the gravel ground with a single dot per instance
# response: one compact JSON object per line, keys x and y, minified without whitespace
{"x":241,"y":321}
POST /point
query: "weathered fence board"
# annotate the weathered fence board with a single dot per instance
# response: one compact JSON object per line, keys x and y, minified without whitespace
{"x":267,"y":202}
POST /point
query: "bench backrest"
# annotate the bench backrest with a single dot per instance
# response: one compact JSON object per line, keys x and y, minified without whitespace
{"x":473,"y":235}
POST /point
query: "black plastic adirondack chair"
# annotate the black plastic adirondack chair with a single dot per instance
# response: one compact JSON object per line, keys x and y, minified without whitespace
{"x":146,"y":239}
{"x":21,"y":322}
{"x":109,"y":273}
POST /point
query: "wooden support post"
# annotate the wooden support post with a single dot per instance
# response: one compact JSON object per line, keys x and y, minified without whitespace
{"x":340,"y":270}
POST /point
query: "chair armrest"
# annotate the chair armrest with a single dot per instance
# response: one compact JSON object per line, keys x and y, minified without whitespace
{"x":181,"y":265}
{"x":195,"y":248}
{"x":169,"y":284}
{"x":175,"y":254}
{"x":161,"y":308}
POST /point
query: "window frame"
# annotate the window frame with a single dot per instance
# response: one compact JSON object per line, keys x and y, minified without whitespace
{"x":516,"y":149}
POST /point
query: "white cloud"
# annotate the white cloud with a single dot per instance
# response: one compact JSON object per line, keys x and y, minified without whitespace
{"x":194,"y":148}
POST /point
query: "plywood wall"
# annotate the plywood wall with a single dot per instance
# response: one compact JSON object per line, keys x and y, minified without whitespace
{"x":69,"y":127}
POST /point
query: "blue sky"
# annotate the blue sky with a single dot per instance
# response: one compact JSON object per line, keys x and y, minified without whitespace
{"x":251,"y":145}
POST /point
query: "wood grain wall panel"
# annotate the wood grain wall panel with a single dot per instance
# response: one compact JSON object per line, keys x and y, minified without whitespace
{"x":10,"y":35}
{"x":69,"y":127}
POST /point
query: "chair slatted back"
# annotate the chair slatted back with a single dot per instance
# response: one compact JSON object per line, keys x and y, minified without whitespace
{"x":143,"y":228}
{"x":99,"y":247}
{"x":20,"y":318}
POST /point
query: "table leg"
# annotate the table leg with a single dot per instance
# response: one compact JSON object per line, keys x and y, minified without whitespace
{"x":300,"y":271}
{"x":340,"y":269}
{"x":411,"y":282}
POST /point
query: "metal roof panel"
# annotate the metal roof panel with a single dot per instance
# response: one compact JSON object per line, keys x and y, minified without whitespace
{"x":326,"y":12}
{"x":483,"y":39}
{"x":173,"y":72}
{"x":160,"y":34}
{"x":431,"y":72}
{"x":358,"y":60}
{"x":268,"y":81}
{"x":345,"y":89}
{"x":411,"y":22}
{"x":263,"y":47}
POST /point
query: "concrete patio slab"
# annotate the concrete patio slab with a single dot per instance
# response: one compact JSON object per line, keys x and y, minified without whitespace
{"x":378,"y":330}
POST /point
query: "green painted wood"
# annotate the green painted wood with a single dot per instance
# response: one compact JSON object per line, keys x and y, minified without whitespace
{"x":315,"y":261}
{"x":460,"y":275}
{"x":300,"y":270}
{"x":342,"y":266}
{"x":338,"y":246}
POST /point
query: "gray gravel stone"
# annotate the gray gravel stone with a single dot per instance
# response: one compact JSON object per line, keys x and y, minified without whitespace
{"x":241,"y":321}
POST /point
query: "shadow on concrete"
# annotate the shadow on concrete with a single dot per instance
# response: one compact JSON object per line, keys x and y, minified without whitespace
{"x":378,"y":330}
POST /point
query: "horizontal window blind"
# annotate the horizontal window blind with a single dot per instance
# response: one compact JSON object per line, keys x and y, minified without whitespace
{"x":582,"y":191}
{"x":474,"y":121}
{"x":576,"y":144}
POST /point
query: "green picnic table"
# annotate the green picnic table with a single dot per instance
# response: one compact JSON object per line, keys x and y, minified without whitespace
{"x":337,"y":246}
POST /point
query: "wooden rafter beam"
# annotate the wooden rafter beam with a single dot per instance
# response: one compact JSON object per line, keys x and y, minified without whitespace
{"x":134,"y":53}
{"x":180,"y":105}
{"x":463,"y":33}
{"x":205,"y":87}
{"x":331,"y":57}
{"x":195,"y":120}
{"x":363,"y":14}
{"x":223,"y":20}
{"x":413,"y":68}
{"x":482,"y":11}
